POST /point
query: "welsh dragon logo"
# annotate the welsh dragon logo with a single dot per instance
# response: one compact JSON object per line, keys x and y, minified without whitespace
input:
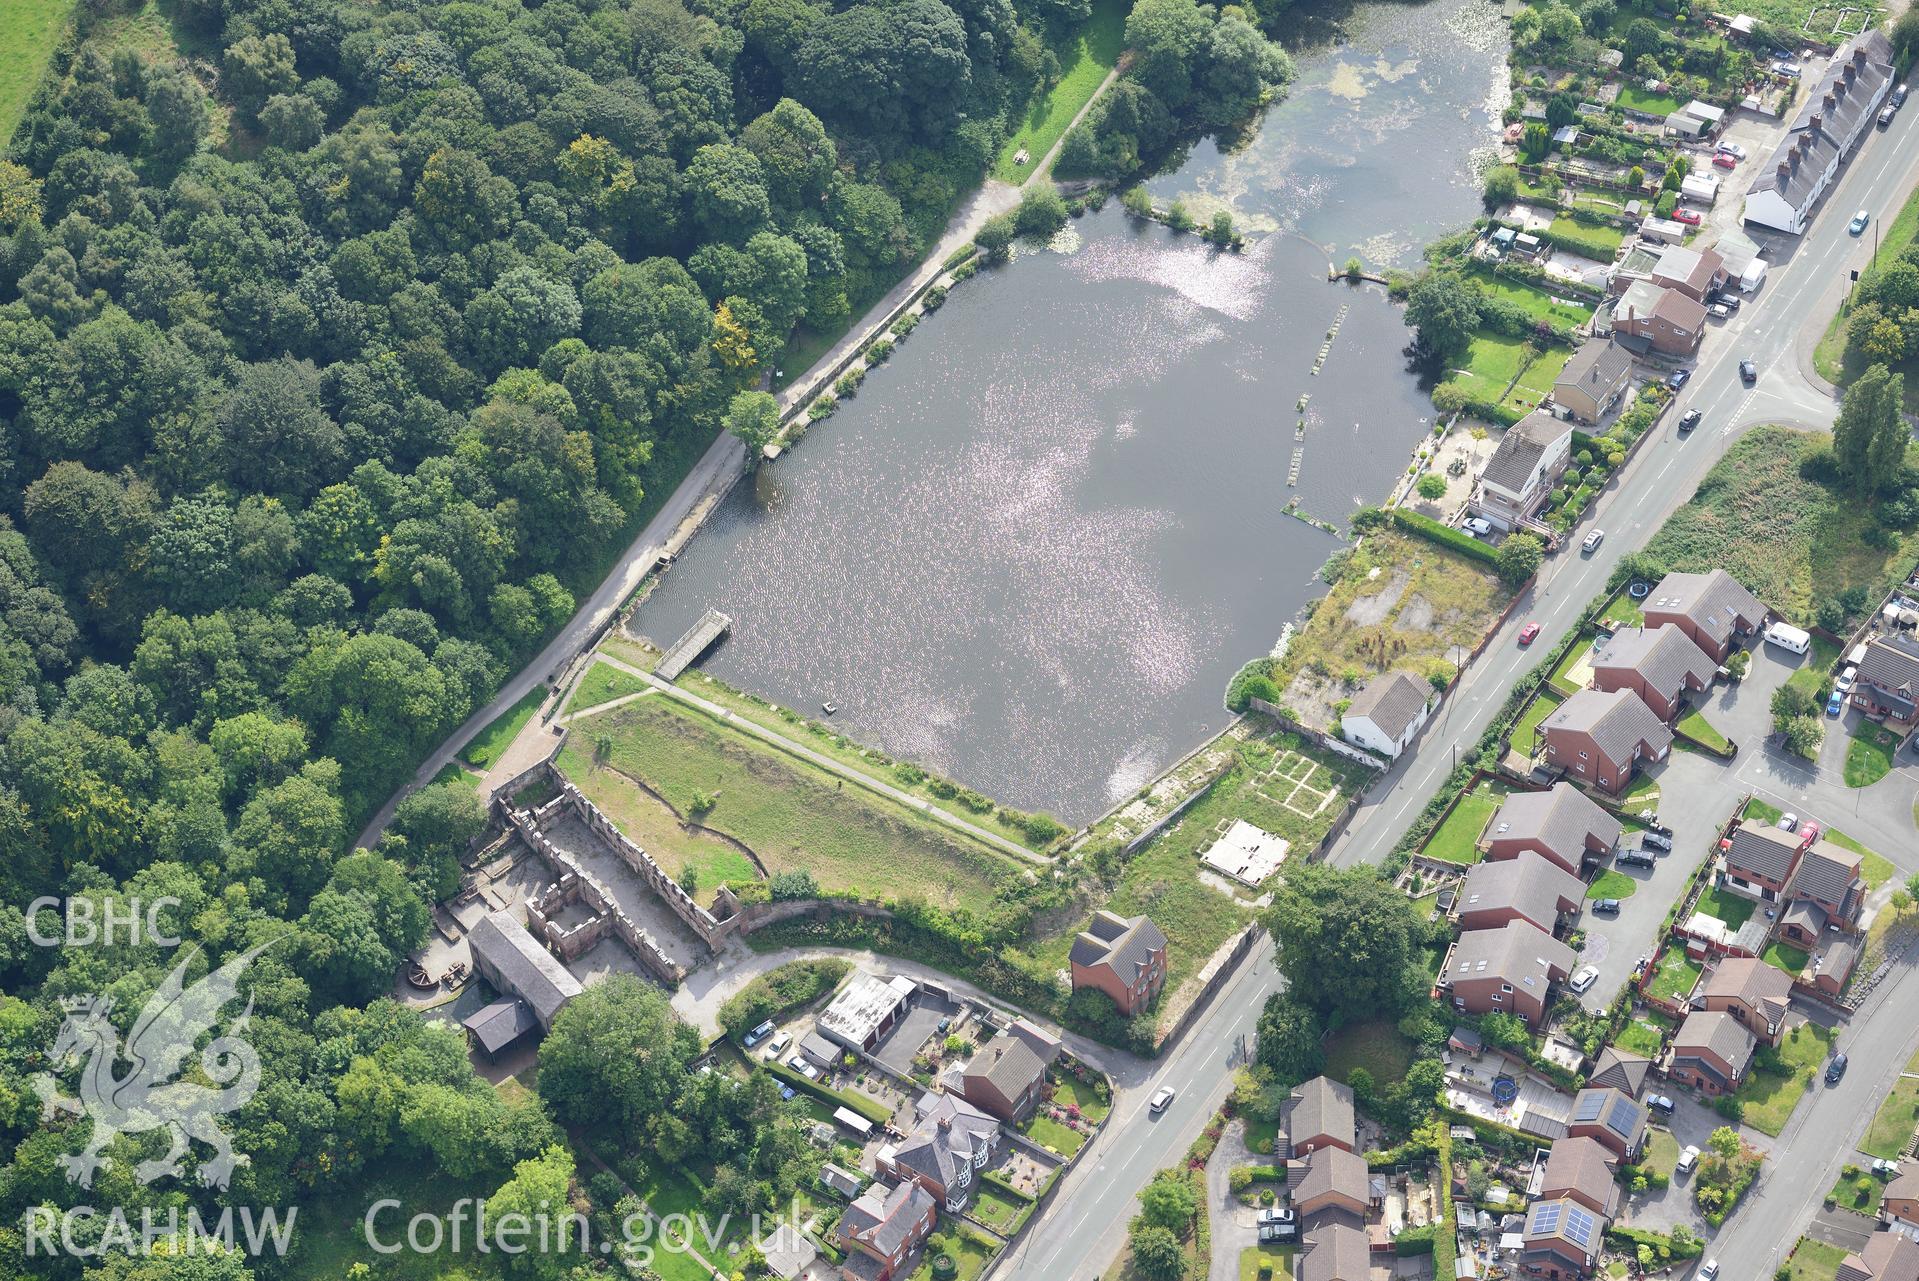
{"x":150,"y":1096}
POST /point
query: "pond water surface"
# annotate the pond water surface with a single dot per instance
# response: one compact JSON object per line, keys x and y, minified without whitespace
{"x":1035,"y":547}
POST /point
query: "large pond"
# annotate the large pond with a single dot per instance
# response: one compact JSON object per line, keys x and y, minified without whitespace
{"x":1033,"y":550}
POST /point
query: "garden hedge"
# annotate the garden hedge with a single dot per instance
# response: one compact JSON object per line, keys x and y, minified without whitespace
{"x":1445,"y":535}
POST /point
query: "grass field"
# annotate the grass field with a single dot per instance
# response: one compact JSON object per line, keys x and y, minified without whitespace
{"x":1600,"y":243}
{"x":490,"y":743}
{"x":997,"y":1210}
{"x":1455,"y":839}
{"x":1634,"y":98}
{"x":1536,"y":302}
{"x":1063,"y":1139}
{"x":1526,"y":729}
{"x":1770,"y":1096}
{"x":1611,"y":884}
{"x":1695,"y":725}
{"x":1831,"y":357}
{"x":1675,"y":977}
{"x":791,"y":814}
{"x":1376,"y":1045}
{"x":1643,"y":1035}
{"x":1792,"y":541}
{"x":968,"y":1252}
{"x":1814,"y":1261}
{"x":1734,"y":909}
{"x":1494,"y":361}
{"x":1784,"y":956}
{"x":1575,"y":669}
{"x":29,"y":29}
{"x":603,"y":683}
{"x":1869,"y":755}
{"x":1084,"y":62}
{"x":1893,"y":1123}
{"x":1874,"y":868}
{"x":1272,"y":1264}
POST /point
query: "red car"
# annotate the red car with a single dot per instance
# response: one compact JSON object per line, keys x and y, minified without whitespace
{"x":1528,"y":633}
{"x":1726,"y":160}
{"x":1688,"y":216}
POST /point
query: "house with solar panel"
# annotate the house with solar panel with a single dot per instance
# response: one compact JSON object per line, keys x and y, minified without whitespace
{"x":1562,"y":1240}
{"x":1612,"y":1118}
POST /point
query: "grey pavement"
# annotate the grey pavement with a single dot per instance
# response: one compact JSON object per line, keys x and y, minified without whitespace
{"x":1234,"y":1226}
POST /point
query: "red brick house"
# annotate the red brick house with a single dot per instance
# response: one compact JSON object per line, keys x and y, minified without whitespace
{"x":1761,"y":860}
{"x":1711,"y":1051}
{"x":1660,"y":664}
{"x":1510,"y":969}
{"x":1827,"y":895}
{"x":1126,"y":959}
{"x":1886,"y":1256}
{"x":1003,"y":1079}
{"x":880,"y":1230}
{"x":1902,"y":1194}
{"x":1832,"y":965}
{"x":1712,"y":608}
{"x":1562,"y":1240}
{"x":1602,"y":739}
{"x":1693,"y":272}
{"x":1581,"y":1169}
{"x":1753,"y":992}
{"x":1665,"y":319}
{"x":1562,"y":825}
{"x":1320,"y":1115}
{"x":1528,"y":888}
{"x":1612,"y":1118}
{"x":1886,"y":686}
{"x":1334,"y":1179}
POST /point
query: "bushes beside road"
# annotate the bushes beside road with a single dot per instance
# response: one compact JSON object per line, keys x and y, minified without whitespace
{"x":780,"y":991}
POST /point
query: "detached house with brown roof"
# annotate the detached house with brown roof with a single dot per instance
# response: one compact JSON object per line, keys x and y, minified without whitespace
{"x":1761,"y":860}
{"x":1887,"y":1256}
{"x":1621,"y":1069}
{"x":1510,"y":969}
{"x":1753,"y":992}
{"x":880,"y":1230}
{"x":1529,"y":458}
{"x":1320,"y":1115}
{"x":1334,"y":1179}
{"x":1562,"y":1240}
{"x":949,"y":1144}
{"x":1004,"y":1078}
{"x":1711,"y":1051}
{"x":1602,"y":739}
{"x":1562,"y":825}
{"x":1664,"y":319}
{"x":1527,"y":888}
{"x":1594,"y":380}
{"x":1902,"y":1194}
{"x":1335,"y":1252}
{"x":1612,"y":1118}
{"x":1660,"y":664}
{"x":1122,"y":957}
{"x":1693,"y":272}
{"x":1886,"y":686}
{"x":1713,"y":608}
{"x":1580,"y":1169}
{"x":1387,"y":715}
{"x":1828,"y":893}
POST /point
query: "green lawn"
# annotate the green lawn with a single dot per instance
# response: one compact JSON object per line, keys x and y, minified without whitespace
{"x":1538,"y":303}
{"x":491,"y":743}
{"x":1262,"y":1134}
{"x":1892,"y":1125}
{"x":1634,"y":98}
{"x":792,"y":814}
{"x":1261,"y":1263}
{"x":1784,"y":956}
{"x":1455,"y":839}
{"x":29,"y":29}
{"x":1874,"y":869}
{"x":1734,"y":909}
{"x":1600,"y":243}
{"x":1769,"y":1096}
{"x":603,"y":683}
{"x":1846,"y":1194}
{"x":1792,"y":541}
{"x":970,"y":1251}
{"x":1815,"y":674}
{"x":1814,"y":1261}
{"x":1612,"y":884}
{"x":1642,"y":1035}
{"x":1069,"y":1090}
{"x":1662,"y":1151}
{"x":1676,"y":976}
{"x":1758,"y":811}
{"x":1048,"y":1133}
{"x":1092,"y":52}
{"x":1832,"y":358}
{"x":1574,"y":669}
{"x":1493,"y":362}
{"x":1869,"y":755}
{"x":1695,"y":725}
{"x":1376,"y":1045}
{"x":1526,"y":731}
{"x":998,"y":1210}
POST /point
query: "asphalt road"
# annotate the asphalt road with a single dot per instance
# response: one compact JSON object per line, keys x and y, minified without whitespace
{"x":1084,"y":1228}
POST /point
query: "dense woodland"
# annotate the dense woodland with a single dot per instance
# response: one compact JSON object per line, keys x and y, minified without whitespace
{"x":334,"y":362}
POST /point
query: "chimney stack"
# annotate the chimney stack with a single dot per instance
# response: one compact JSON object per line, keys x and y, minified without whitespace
{"x":1829,"y":100}
{"x":1859,"y":59}
{"x":1812,"y":127}
{"x":1785,"y":170}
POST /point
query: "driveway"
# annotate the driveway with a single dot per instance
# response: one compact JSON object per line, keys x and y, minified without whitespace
{"x":1234,"y":1226}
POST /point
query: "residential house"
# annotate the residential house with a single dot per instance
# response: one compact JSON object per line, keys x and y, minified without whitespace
{"x":1621,"y":1069}
{"x":882,"y":1228}
{"x":1004,"y":1078}
{"x":1611,"y":1118}
{"x":1711,"y":1051}
{"x":1593,"y":381}
{"x":1902,"y":1194}
{"x":1037,"y":1038}
{"x":1887,"y":684}
{"x":1760,"y":860}
{"x":1753,"y":992}
{"x":1664,"y":319}
{"x":1510,"y":969}
{"x":1562,"y":824}
{"x":1828,"y":892}
{"x":1320,"y":1115}
{"x":1386,"y":715}
{"x":1581,"y":1169}
{"x":1838,"y":112}
{"x":1124,"y":957}
{"x":1832,"y":964}
{"x":1526,"y":888}
{"x":1660,"y":664}
{"x":1713,"y":608}
{"x":515,"y":963}
{"x":866,"y":1011}
{"x":1601,"y":738}
{"x":1335,"y":1252}
{"x":1334,"y":1179}
{"x":948,"y":1145}
{"x":1517,"y":478}
{"x":1886,"y":1256}
{"x":1562,"y":1240}
{"x":1695,"y":273}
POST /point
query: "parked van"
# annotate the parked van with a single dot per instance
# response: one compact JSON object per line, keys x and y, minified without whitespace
{"x":1786,"y":636}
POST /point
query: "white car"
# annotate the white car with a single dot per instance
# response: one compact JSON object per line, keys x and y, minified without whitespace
{"x":1687,"y":1160}
{"x":1161,"y":1097}
{"x":1593,"y":540}
{"x":1789,"y":822}
{"x":1708,"y":1270}
{"x":1846,"y":678}
{"x":1584,"y":977}
{"x":1477,"y":526}
{"x":1733,"y":149}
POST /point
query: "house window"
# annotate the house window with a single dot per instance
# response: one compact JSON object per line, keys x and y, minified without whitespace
{"x":1505,"y":987}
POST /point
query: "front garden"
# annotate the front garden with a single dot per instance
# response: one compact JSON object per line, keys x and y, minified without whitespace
{"x":1456,"y":839}
{"x":1780,"y":1078}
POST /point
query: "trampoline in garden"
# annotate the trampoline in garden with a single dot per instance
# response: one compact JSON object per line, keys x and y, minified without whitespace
{"x":1505,"y":1090}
